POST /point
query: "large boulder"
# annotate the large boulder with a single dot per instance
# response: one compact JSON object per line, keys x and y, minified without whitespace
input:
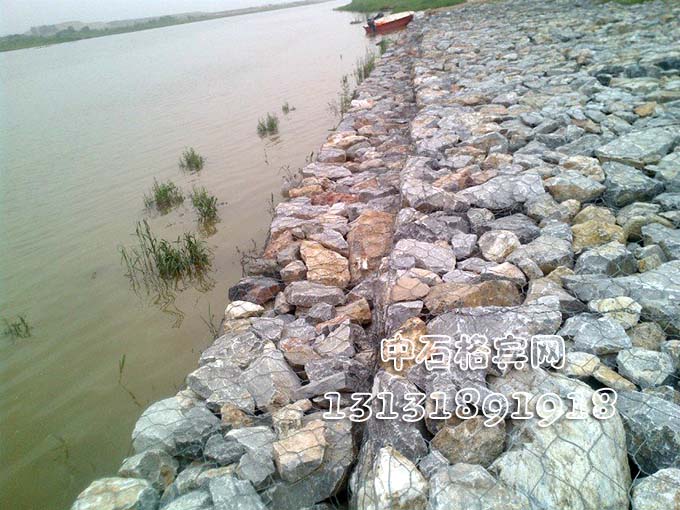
{"x":575,"y":464}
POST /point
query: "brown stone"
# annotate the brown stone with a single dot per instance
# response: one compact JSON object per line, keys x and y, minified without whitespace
{"x":447,"y":296}
{"x":369,"y":239}
{"x":277,"y":243}
{"x":645,"y":109}
{"x":332,"y":197}
{"x":471,"y":442}
{"x":407,"y":335}
{"x":408,"y":289}
{"x":590,"y":234}
{"x":305,"y":191}
{"x":358,"y":311}
{"x":234,"y":418}
{"x":323,"y":265}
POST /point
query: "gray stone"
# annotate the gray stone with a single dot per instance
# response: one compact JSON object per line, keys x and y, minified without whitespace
{"x":431,"y":463}
{"x":194,"y":500}
{"x":463,"y":245}
{"x":573,"y":185}
{"x":155,"y":466}
{"x":612,"y":259}
{"x":222,"y":451}
{"x":505,"y":192}
{"x":626,"y":185}
{"x":158,"y":426}
{"x":230,"y":493}
{"x":661,"y":491}
{"x":218,"y":383}
{"x":308,"y":293}
{"x":521,"y":225}
{"x":667,"y":238}
{"x":652,"y":430}
{"x":471,"y":487}
{"x":547,"y":252}
{"x":549,"y":463}
{"x":234,"y":348}
{"x":323,"y":482}
{"x":639,"y":148}
{"x":596,"y":335}
{"x":392,"y":482}
{"x":645,"y":368}
{"x":270,"y":380}
{"x":117,"y":494}
{"x":658,"y":291}
{"x":434,"y":257}
{"x":470,"y":442}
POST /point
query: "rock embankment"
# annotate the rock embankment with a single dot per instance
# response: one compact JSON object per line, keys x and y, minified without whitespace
{"x":509,"y":169}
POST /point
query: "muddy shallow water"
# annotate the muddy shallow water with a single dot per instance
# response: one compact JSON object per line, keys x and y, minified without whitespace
{"x":84,"y":129}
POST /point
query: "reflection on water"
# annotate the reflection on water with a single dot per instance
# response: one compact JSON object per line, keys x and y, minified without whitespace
{"x":85,"y":128}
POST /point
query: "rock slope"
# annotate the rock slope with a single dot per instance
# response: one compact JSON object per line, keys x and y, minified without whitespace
{"x":507,"y":168}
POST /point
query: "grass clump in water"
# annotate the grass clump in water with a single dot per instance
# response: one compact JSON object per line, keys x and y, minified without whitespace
{"x":205,"y":205}
{"x":382,"y":45}
{"x":286,"y":108}
{"x":363,"y":67}
{"x":17,"y":327}
{"x":396,"y":5}
{"x":188,"y":256}
{"x":268,"y":126}
{"x":164,"y":196}
{"x":191,"y":161}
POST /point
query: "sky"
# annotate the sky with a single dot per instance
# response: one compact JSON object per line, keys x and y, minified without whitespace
{"x":17,"y":16}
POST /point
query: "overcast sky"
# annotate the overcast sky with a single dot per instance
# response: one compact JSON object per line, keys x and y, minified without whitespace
{"x":17,"y":16}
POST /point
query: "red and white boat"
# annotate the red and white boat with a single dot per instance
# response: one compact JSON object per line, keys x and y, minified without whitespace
{"x":388,"y":23}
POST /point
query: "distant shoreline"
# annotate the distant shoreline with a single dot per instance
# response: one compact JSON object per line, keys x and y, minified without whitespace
{"x":25,"y":41}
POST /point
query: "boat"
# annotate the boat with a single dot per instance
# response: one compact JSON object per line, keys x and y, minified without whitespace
{"x":381,"y":24}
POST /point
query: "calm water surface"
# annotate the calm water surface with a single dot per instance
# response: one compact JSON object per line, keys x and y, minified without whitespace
{"x":84,"y":129}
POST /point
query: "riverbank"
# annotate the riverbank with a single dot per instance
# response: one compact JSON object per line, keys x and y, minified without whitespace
{"x":24,"y":41}
{"x":508,"y":170}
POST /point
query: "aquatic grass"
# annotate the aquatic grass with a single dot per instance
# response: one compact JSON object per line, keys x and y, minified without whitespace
{"x":188,"y":256}
{"x":286,"y":108}
{"x":17,"y":327}
{"x":396,"y":5}
{"x":205,"y":204}
{"x":363,"y":67}
{"x":382,"y":45}
{"x":191,"y":161}
{"x":268,"y":126}
{"x":164,"y":196}
{"x":346,"y":94}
